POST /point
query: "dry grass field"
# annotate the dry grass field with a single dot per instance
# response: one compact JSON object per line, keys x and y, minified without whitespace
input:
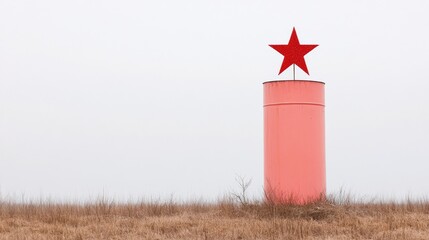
{"x":226,"y":219}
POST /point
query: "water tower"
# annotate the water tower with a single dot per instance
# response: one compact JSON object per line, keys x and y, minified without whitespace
{"x":294,"y":132}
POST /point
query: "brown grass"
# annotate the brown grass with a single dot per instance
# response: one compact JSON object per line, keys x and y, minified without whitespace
{"x":336,"y":218}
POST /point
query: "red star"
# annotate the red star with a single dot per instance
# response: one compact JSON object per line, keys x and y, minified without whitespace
{"x":293,"y":53}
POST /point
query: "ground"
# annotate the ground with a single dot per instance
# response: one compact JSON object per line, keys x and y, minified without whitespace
{"x":221,"y":220}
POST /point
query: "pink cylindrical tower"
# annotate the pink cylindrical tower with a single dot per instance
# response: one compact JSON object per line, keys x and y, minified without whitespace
{"x":294,"y":141}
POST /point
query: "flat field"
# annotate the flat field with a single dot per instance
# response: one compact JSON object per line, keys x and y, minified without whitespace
{"x":222,"y":220}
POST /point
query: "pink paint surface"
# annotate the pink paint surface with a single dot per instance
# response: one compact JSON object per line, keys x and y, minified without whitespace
{"x":294,"y":141}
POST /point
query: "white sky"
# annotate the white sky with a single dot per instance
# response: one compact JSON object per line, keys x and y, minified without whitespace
{"x":152,"y":98}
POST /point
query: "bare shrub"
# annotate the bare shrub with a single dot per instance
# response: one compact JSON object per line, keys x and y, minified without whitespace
{"x":241,"y":195}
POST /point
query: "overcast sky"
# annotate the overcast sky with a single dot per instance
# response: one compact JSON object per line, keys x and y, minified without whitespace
{"x":157,"y":98}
